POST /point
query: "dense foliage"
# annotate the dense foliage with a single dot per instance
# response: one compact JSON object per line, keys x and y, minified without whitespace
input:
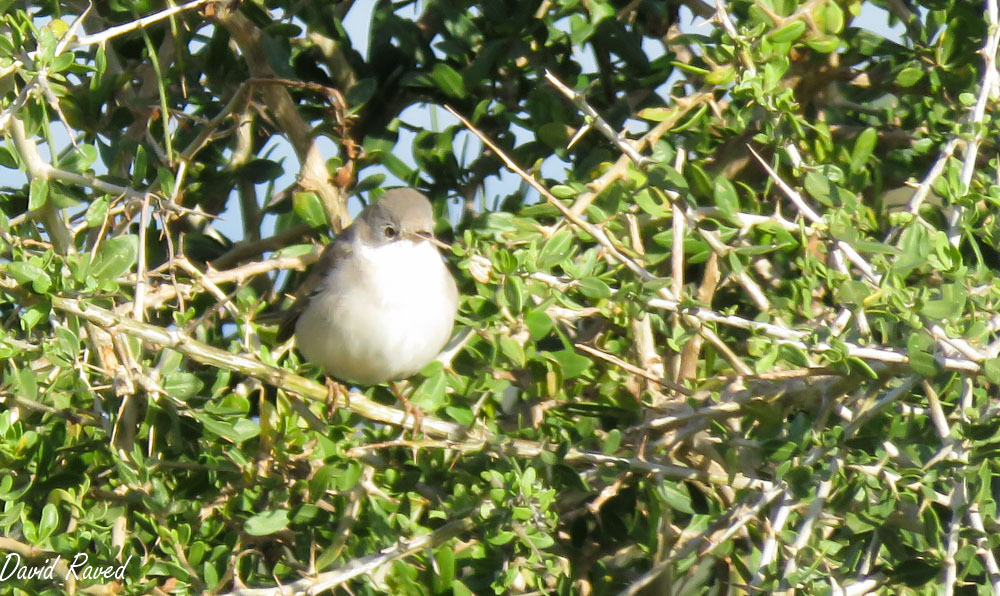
{"x":733,"y":326}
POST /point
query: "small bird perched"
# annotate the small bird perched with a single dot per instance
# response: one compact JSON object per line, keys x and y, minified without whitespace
{"x":380,"y":303}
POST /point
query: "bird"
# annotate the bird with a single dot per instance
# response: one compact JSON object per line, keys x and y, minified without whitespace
{"x":380,"y":303}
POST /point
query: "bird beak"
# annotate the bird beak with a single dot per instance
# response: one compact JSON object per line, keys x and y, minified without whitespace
{"x":428,"y":236}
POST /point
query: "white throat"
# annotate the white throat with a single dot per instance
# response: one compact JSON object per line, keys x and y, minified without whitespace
{"x":399,"y":265}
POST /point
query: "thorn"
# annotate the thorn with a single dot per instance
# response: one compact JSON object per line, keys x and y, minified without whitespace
{"x":579,"y":135}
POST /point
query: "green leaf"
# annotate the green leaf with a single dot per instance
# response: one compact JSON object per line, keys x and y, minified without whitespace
{"x":600,"y":10}
{"x":824,"y":45}
{"x":38,"y":193}
{"x":915,"y":244}
{"x":915,"y":572}
{"x":571,"y":363}
{"x":725,"y":195}
{"x":308,"y":207}
{"x":259,"y":171}
{"x":677,"y":497}
{"x":33,"y":315}
{"x":563,"y":192}
{"x":461,"y":415}
{"x":554,"y":135}
{"x":909,"y":76}
{"x":789,"y":32}
{"x":431,"y":394}
{"x":658,"y":114}
{"x":831,"y":18}
{"x":919,"y":355}
{"x":139,"y":165}
{"x":869,"y":246}
{"x":646,"y":201}
{"x":267,"y":522}
{"x":115,"y":257}
{"x":26,"y":273}
{"x":818,"y":185}
{"x":370,"y":183}
{"x":96,"y":212}
{"x":81,"y":159}
{"x":852,"y":292}
{"x":992,"y":370}
{"x":580,"y":30}
{"x":26,"y":384}
{"x":504,"y":262}
{"x":448,"y":79}
{"x":594,"y":288}
{"x":864,"y":146}
{"x":501,"y":538}
{"x":166,"y":181}
{"x":557,"y":249}
{"x":612,"y":442}
{"x":539,"y":324}
{"x":68,"y":342}
{"x":444,"y":564}
{"x":359,"y":93}
{"x":7,"y":157}
{"x":721,"y":76}
{"x":951,"y":305}
{"x":182,"y":385}
{"x":773,"y":71}
{"x":236,"y":429}
{"x":347,"y":476}
{"x":49,"y":522}
{"x":513,"y":350}
{"x":512,"y":294}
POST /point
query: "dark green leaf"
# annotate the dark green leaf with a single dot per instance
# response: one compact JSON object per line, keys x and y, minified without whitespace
{"x":447,"y":79}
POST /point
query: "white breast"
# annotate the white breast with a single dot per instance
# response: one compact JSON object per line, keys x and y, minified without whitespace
{"x":381,"y":316}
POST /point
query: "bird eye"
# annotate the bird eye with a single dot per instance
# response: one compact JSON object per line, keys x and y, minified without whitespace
{"x":389,"y":231}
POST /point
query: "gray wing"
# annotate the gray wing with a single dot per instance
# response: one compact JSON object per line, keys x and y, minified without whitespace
{"x":339,"y":249}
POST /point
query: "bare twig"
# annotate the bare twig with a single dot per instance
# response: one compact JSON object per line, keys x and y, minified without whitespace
{"x":594,"y":119}
{"x":112,"y":32}
{"x":634,"y":369}
{"x":986,"y":90}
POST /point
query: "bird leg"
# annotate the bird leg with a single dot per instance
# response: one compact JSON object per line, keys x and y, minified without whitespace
{"x":334,"y":389}
{"x":409,"y":408}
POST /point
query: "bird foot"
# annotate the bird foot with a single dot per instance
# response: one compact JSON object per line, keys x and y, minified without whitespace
{"x":333,"y":390}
